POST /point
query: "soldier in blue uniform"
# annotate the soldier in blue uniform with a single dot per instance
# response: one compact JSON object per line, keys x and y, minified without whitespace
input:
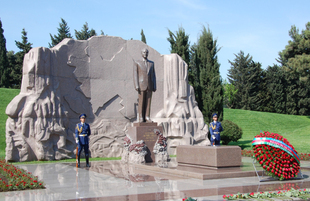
{"x":215,"y":129}
{"x":82,"y":131}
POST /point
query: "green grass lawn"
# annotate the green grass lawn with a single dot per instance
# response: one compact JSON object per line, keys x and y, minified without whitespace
{"x":6,"y":95}
{"x":295,"y":128}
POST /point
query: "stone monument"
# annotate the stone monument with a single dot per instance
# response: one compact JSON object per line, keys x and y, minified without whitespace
{"x":94,"y":77}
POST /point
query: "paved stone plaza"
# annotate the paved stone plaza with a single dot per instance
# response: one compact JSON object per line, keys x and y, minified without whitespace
{"x":113,"y":180}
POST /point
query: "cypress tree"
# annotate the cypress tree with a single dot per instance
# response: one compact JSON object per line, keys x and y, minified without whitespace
{"x":209,"y":81}
{"x":63,"y":32}
{"x":85,"y":33}
{"x":143,"y":39}
{"x":179,"y":43}
{"x":4,"y":63}
{"x":13,"y":75}
{"x":193,"y":72}
{"x":274,"y":90}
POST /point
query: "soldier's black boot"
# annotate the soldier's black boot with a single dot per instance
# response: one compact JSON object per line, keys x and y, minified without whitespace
{"x":78,"y":160}
{"x":87,"y":161}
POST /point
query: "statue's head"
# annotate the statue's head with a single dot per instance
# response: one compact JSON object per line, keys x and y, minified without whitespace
{"x":145,"y":53}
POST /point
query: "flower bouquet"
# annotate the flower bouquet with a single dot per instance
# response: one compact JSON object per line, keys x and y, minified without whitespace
{"x":276,"y":155}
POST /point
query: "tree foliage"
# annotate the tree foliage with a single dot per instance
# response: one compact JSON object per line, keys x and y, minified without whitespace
{"x":207,"y":81}
{"x":4,"y":62}
{"x":295,"y":61}
{"x":229,"y":94}
{"x":179,"y":43}
{"x":63,"y":32}
{"x":17,"y":66}
{"x":245,"y":75}
{"x":143,"y":39}
{"x":272,"y":91}
{"x":85,"y":33}
{"x":231,"y":132}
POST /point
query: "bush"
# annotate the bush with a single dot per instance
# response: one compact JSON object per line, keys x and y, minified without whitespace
{"x":232,"y":132}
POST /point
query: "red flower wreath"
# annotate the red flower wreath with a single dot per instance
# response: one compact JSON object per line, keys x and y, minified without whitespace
{"x":276,"y":155}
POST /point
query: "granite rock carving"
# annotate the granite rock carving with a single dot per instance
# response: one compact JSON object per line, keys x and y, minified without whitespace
{"x":94,"y":76}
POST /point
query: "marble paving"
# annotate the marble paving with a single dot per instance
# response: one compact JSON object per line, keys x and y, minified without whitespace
{"x":113,"y":180}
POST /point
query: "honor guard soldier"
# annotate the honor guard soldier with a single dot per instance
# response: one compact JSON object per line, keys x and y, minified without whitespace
{"x":82,"y":131}
{"x":215,"y":129}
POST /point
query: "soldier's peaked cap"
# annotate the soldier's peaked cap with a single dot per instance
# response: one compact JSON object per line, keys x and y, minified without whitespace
{"x":214,"y":114}
{"x":82,"y":116}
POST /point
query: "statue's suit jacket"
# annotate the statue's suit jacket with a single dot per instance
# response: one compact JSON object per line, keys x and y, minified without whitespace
{"x":144,"y":75}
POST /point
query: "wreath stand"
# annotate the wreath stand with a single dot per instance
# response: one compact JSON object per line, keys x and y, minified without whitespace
{"x":263,"y":179}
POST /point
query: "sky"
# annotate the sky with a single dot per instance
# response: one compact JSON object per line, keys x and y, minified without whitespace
{"x":256,"y":27}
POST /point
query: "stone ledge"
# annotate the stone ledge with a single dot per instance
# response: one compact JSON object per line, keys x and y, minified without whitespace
{"x":209,"y":156}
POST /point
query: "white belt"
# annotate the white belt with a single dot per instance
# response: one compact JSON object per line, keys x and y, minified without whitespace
{"x":83,"y":135}
{"x":216,"y":132}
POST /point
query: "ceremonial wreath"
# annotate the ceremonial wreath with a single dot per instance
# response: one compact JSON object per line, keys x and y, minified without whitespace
{"x":276,"y":155}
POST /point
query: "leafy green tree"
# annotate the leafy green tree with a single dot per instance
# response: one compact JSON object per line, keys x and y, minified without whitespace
{"x":4,"y":63}
{"x":85,"y":33}
{"x":295,"y":60}
{"x":63,"y":32}
{"x":209,"y":83}
{"x":229,"y":94}
{"x":179,"y":43}
{"x":143,"y":39}
{"x":245,"y":75}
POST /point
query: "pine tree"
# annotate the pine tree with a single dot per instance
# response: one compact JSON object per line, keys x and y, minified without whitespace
{"x":63,"y":32}
{"x":17,"y":69}
{"x":143,"y":39}
{"x":295,"y":60}
{"x":210,"y":91}
{"x":245,"y":75}
{"x":4,"y":63}
{"x":85,"y":33}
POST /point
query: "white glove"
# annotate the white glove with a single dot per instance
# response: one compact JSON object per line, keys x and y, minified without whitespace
{"x":77,"y":141}
{"x":213,"y":137}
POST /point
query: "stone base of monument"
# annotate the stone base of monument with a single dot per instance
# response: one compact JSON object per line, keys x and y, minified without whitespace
{"x":145,"y":132}
{"x":212,"y":157}
{"x":184,"y":172}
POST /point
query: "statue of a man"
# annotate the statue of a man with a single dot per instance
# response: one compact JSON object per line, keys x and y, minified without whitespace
{"x":145,"y":83}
